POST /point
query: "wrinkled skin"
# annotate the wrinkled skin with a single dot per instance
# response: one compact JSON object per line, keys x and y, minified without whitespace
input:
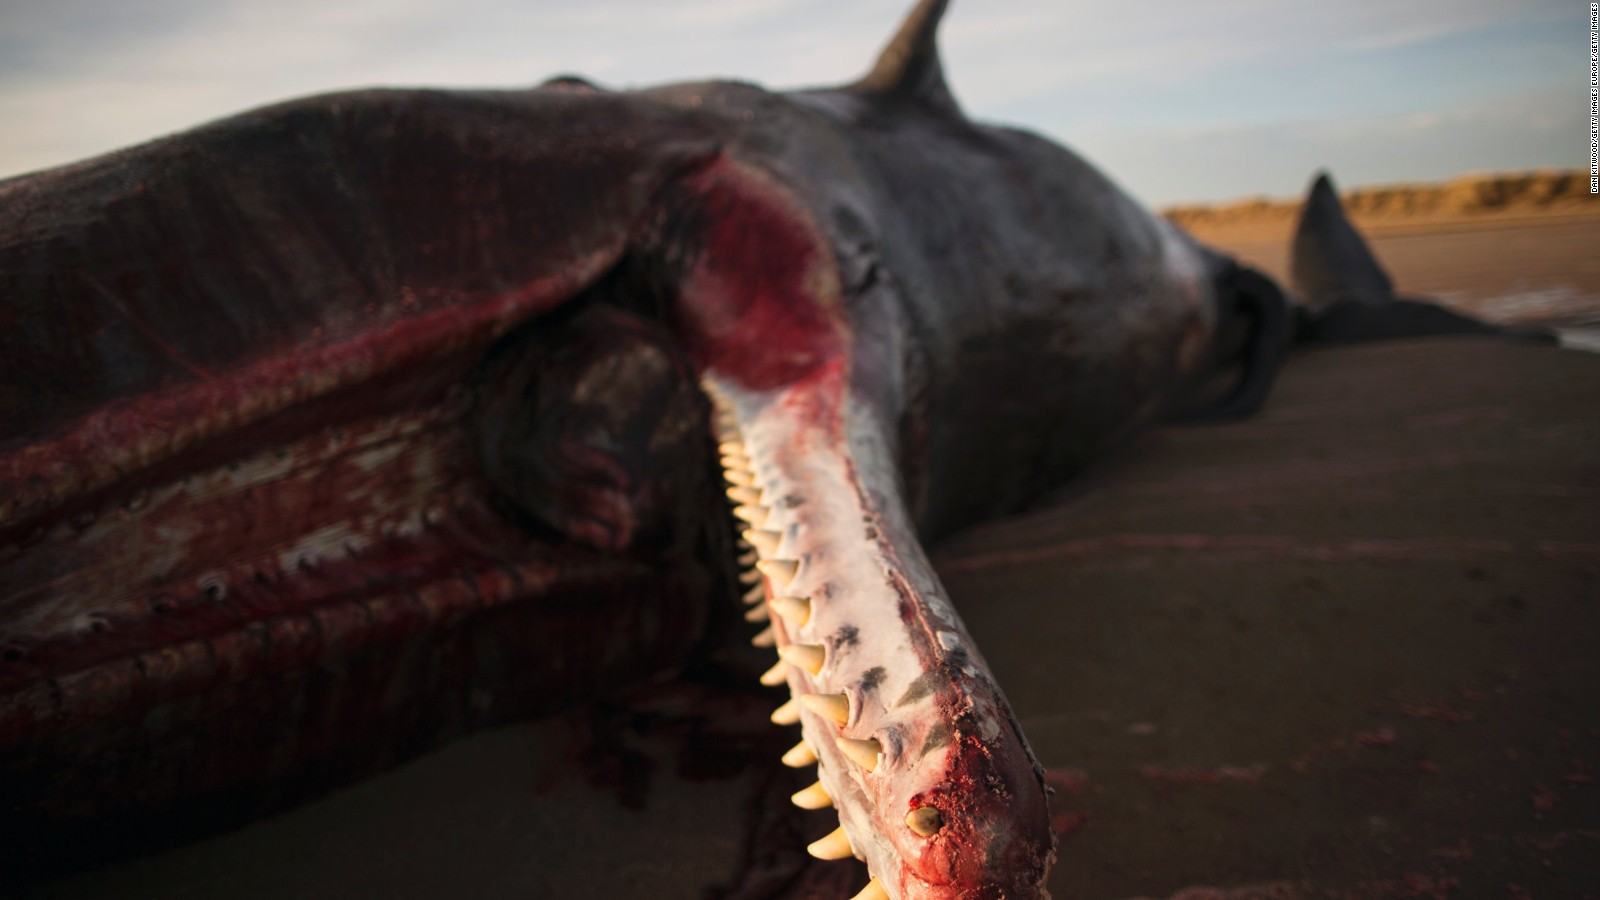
{"x":342,"y":426}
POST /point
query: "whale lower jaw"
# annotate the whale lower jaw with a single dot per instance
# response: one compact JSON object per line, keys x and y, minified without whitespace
{"x":916,"y":748}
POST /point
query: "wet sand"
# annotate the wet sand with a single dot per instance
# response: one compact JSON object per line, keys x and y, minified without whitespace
{"x":1345,"y":648}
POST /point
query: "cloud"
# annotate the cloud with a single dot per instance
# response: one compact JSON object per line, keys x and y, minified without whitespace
{"x":1507,"y":132}
{"x":79,"y":77}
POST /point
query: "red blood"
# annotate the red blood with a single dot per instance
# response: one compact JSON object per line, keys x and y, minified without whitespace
{"x":104,"y":445}
{"x":760,"y":303}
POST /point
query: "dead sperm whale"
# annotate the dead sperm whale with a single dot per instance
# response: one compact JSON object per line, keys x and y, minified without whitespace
{"x":342,"y":426}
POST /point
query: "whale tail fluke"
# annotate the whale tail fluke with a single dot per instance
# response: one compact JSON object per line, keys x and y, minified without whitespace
{"x":1330,"y":263}
{"x":1343,"y":294}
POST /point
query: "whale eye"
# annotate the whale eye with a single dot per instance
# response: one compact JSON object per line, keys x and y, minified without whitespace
{"x":856,"y":246}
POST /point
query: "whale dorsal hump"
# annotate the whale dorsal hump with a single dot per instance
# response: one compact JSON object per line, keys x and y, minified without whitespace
{"x":908,"y":68}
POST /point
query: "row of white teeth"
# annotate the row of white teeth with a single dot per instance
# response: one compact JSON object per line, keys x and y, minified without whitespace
{"x":759,"y":561}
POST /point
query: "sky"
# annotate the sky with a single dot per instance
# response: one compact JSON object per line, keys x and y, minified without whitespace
{"x":1177,"y":101}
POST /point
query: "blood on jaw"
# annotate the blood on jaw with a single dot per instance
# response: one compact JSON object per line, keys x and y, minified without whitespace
{"x":760,"y":303}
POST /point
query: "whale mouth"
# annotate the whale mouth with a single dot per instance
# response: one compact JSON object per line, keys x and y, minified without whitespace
{"x":915,"y":747}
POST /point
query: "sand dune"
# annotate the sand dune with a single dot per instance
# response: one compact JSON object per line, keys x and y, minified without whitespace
{"x":1465,"y":197}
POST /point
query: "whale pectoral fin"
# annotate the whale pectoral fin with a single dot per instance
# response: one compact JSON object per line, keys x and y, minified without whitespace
{"x":1255,"y":330}
{"x":1344,"y":294}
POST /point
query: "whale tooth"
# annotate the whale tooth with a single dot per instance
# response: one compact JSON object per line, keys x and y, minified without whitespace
{"x":795,"y":610}
{"x":925,"y":821}
{"x":787,"y":714}
{"x":766,"y":542}
{"x":750,"y":577}
{"x":741,"y":479}
{"x":781,"y":571}
{"x":744,"y":495}
{"x":755,"y":515}
{"x":756,"y":613}
{"x":806,"y":656}
{"x":736,"y":461}
{"x":799,"y":756}
{"x":835,"y":846}
{"x":731,"y":448}
{"x":749,"y":557}
{"x":813,"y":797}
{"x":863,"y":753}
{"x":767,"y":638}
{"x":834,"y":707}
{"x":755,"y":594}
{"x":873,"y":891}
{"x":778,"y":674}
